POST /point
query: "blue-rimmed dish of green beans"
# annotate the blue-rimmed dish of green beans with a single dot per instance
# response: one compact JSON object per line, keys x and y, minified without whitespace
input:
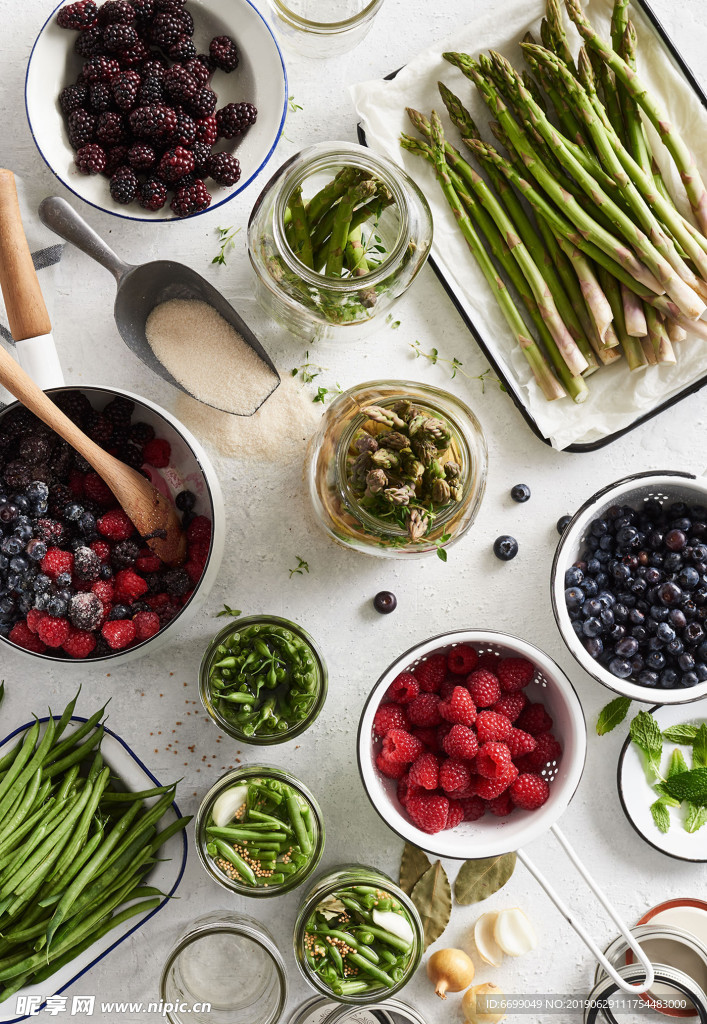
{"x":263,"y":680}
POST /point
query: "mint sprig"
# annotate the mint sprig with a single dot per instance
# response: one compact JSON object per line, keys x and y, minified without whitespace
{"x":612,"y":715}
{"x":690,"y":785}
{"x":647,"y":736}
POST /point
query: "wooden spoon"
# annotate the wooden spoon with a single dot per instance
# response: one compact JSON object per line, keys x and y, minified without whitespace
{"x":153,"y":515}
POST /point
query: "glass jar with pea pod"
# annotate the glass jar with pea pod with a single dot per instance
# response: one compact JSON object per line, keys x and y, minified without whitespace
{"x":263,"y":680}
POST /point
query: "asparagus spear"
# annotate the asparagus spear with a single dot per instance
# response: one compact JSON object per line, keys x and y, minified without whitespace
{"x":684,"y":160}
{"x":675,"y":332}
{"x":373,"y":208}
{"x":355,"y":253}
{"x":566,"y":117}
{"x":302,"y":243}
{"x":332,"y":191}
{"x":342,"y":222}
{"x":634,"y":315}
{"x":619,"y":21}
{"x":556,"y":27}
{"x":632,"y":348}
{"x":658,"y":337}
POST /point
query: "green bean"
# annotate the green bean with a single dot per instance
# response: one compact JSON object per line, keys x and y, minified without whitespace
{"x":75,"y":755}
{"x":57,"y":882}
{"x":349,"y":939}
{"x":23,"y":806}
{"x":277,"y":878}
{"x":287,"y":868}
{"x":78,"y":734}
{"x":350,"y":988}
{"x":368,"y":968}
{"x":298,"y":826}
{"x":28,"y":770}
{"x":111,"y":797}
{"x":162,"y":837}
{"x":392,"y":940}
{"x":267,"y":847}
{"x":229,"y":854}
{"x":7,"y":759}
{"x":45,"y":824}
{"x":389,"y":957}
{"x":66,"y":716}
{"x":336,"y":957}
{"x":84,"y":824}
{"x":268,"y":819}
{"x":8,"y":848}
{"x":244,"y":833}
{"x":96,"y":767}
{"x":22,"y":758}
{"x":266,"y":791}
{"x":67,"y":782}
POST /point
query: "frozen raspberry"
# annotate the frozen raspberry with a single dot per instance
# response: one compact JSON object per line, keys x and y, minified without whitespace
{"x":534,"y":719}
{"x":400,"y":745}
{"x":223,"y":168}
{"x":56,"y":562}
{"x":424,"y":771}
{"x":462,"y":660}
{"x":101,"y":548}
{"x":195,"y":570}
{"x":424,"y":710}
{"x":403,"y":689}
{"x":484,"y":687}
{"x":510,"y":705}
{"x":34,"y":617}
{"x":79,"y":644}
{"x":391,"y":769}
{"x":157,"y":453}
{"x":454,"y":775}
{"x":104,"y":590}
{"x":91,"y":159}
{"x":455,"y":815}
{"x":406,"y":789}
{"x":206,"y":131}
{"x":97,"y":490}
{"x":119,"y":633}
{"x":493,"y":760}
{"x":461,"y":742}
{"x":548,"y":751}
{"x":86,"y":611}
{"x":387,"y":717}
{"x":115,"y":525}
{"x":474,"y":807}
{"x":501,"y":805}
{"x":23,"y":636}
{"x":427,"y":736}
{"x":147,"y":624}
{"x":129,"y":586}
{"x":224,"y":53}
{"x":429,"y":813}
{"x":520,"y":743}
{"x":491,"y":727}
{"x":459,"y":707}
{"x":489,"y":789}
{"x":515,"y":674}
{"x":77,"y":16}
{"x":431,"y":673}
{"x":53,"y":630}
{"x":529,"y":792}
{"x":190,"y":199}
{"x":234,"y":119}
{"x":199,"y":529}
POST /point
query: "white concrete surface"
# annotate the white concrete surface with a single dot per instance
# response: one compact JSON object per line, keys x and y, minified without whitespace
{"x":270,"y":523}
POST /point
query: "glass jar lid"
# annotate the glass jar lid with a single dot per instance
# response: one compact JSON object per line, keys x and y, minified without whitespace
{"x":320,"y":1010}
{"x":598,"y":1006}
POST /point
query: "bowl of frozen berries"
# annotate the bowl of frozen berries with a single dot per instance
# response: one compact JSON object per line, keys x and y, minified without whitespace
{"x":156,"y":109}
{"x":471,"y":744}
{"x":76,"y":581}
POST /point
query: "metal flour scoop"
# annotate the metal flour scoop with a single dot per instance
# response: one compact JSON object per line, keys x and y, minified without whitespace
{"x":141,"y":288}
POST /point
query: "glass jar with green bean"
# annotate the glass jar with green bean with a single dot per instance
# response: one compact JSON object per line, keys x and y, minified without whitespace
{"x":358,"y":937}
{"x":259,"y":831}
{"x":263,"y":680}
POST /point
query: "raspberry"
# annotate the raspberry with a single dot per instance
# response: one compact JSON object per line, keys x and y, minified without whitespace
{"x":406,"y":789}
{"x":474,"y":807}
{"x":125,"y":86}
{"x":101,"y":548}
{"x":191,"y":199}
{"x":454,"y":775}
{"x":462,"y":659}
{"x":431,"y":673}
{"x":427,"y":736}
{"x":510,"y":705}
{"x":199,"y":529}
{"x":424,"y":710}
{"x":447,"y":689}
{"x":174,"y":164}
{"x":72,"y":97}
{"x":515,"y":674}
{"x":34,"y":617}
{"x":195,"y":571}
{"x":424,"y":771}
{"x":548,"y":751}
{"x":53,"y":631}
{"x":97,"y":490}
{"x":56,"y":562}
{"x":461,"y":742}
{"x":403,"y":689}
{"x":400,"y":746}
{"x":203,"y":103}
{"x":77,"y":16}
{"x":207,"y":131}
{"x":429,"y":813}
{"x":146,"y":625}
{"x":520,"y":743}
{"x":86,"y":611}
{"x":157,"y":453}
{"x":491,"y":727}
{"x":155,"y":121}
{"x":152,"y":194}
{"x":455,"y":815}
{"x":147,"y":562}
{"x":81,"y":128}
{"x":534,"y":719}
{"x":459,"y":707}
{"x":124,"y":185}
{"x":118,"y":633}
{"x":23,"y":636}
{"x":529,"y":792}
{"x":387,"y":717}
{"x":119,"y":37}
{"x":234,"y":119}
{"x":115,"y":525}
{"x":104,"y":590}
{"x":391,"y":769}
{"x":501,"y":805}
{"x":129,"y":586}
{"x":224,"y":168}
{"x":484,"y":687}
{"x":493,"y":760}
{"x":490,"y":661}
{"x":91,"y":159}
{"x":489,"y":789}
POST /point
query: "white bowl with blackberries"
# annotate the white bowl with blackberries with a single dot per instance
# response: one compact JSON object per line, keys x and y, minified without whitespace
{"x":629,"y":587}
{"x":156,"y":109}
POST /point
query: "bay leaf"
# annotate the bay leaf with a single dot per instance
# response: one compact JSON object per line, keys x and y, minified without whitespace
{"x":479,"y":879}
{"x":432,"y":896}
{"x":413,"y":865}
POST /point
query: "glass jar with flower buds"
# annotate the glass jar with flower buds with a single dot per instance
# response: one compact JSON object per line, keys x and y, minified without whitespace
{"x":335,"y":238}
{"x":397,"y":469}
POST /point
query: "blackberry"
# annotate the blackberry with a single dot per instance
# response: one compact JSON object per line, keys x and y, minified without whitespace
{"x":224,"y":53}
{"x":115,"y":156}
{"x":119,"y":411}
{"x":35,"y":448}
{"x":82,"y":128}
{"x":141,"y":433}
{"x":115,"y":12}
{"x":154,"y":67}
{"x":185,"y":132}
{"x":235,"y":118}
{"x":125,"y":87}
{"x":100,"y":69}
{"x":85,"y":610}
{"x":100,"y":97}
{"x":72,"y":97}
{"x":169,"y":5}
{"x":91,"y":159}
{"x":110,"y":128}
{"x":199,"y":68}
{"x":151,"y":91}
{"x":141,"y":157}
{"x":224,"y":168}
{"x":201,"y":152}
{"x":86,"y":563}
{"x":203,"y":103}
{"x":186,"y":182}
{"x":191,"y":199}
{"x":152,"y":194}
{"x":165,"y":29}
{"x":119,"y":37}
{"x":176,"y":582}
{"x":78,"y":16}
{"x":98,"y":427}
{"x":59,"y":497}
{"x":207,"y":131}
{"x":90,"y":42}
{"x":125,"y":553}
{"x":182,"y":49}
{"x":156,"y":121}
{"x":75,"y":405}
{"x":131,"y":455}
{"x":144,"y":9}
{"x":133,"y":56}
{"x":179,"y":85}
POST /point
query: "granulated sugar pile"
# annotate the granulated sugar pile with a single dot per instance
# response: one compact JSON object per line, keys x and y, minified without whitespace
{"x":208,"y":356}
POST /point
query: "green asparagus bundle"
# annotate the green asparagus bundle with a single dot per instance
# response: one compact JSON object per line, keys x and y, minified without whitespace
{"x":575,"y":215}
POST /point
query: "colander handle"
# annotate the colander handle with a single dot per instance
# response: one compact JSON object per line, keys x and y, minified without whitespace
{"x":580,"y":929}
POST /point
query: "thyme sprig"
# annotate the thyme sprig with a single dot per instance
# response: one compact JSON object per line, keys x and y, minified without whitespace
{"x":301,"y":568}
{"x":226,"y":240}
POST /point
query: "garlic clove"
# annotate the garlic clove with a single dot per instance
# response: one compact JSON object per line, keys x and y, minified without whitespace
{"x":394,"y":923}
{"x":228,"y":804}
{"x":514,"y":933}
{"x":486,"y":945}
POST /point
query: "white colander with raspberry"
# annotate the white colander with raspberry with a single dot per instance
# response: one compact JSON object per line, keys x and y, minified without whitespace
{"x":541,"y":793}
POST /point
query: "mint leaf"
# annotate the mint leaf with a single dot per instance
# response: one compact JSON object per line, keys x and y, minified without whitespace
{"x":677,"y":764}
{"x":612,"y":715}
{"x":648,"y":738}
{"x":684,"y":734}
{"x":668,"y":800}
{"x":690,"y":786}
{"x":699,"y":748}
{"x":695,"y":818}
{"x":661,"y":816}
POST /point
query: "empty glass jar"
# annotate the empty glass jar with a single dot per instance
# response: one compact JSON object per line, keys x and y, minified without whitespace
{"x":323,"y":28}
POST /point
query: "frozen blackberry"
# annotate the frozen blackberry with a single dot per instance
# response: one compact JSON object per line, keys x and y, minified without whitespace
{"x":199,"y":68}
{"x":179,"y":85}
{"x":119,"y":411}
{"x":234,"y":119}
{"x":203,"y":103}
{"x":175,"y":163}
{"x":115,"y":156}
{"x":110,"y":128}
{"x":141,"y":433}
{"x":156,"y":122}
{"x":201,"y":152}
{"x":59,"y":497}
{"x":75,"y":405}
{"x":90,"y":42}
{"x":119,"y":37}
{"x":91,"y":159}
{"x":207,"y":131}
{"x":86,"y":562}
{"x":72,"y":97}
{"x":185,"y":132}
{"x":124,"y":87}
{"x":224,"y":53}
{"x":100,"y":69}
{"x":224,"y":168}
{"x":35,"y":448}
{"x":182,"y":49}
{"x":176,"y":582}
{"x":142,"y":157}
{"x":191,"y":199}
{"x":165,"y":29}
{"x":77,"y":16}
{"x":82,"y":128}
{"x":125,"y":553}
{"x":152,"y":194}
{"x":115,"y":12}
{"x":85,"y":610}
{"x":124,"y":185}
{"x":151,"y":91}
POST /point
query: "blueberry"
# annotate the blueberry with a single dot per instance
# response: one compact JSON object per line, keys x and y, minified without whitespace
{"x":617,"y":631}
{"x":686,"y":662}
{"x":63,"y":579}
{"x":656,"y":660}
{"x":677,"y":618}
{"x":593,"y":566}
{"x":665,"y":632}
{"x":620,"y":667}
{"x":675,"y":540}
{"x":591,"y":608}
{"x":626,"y":648}
{"x":653,"y":576}
{"x":57,"y":607}
{"x":384,"y":602}
{"x":647,"y":678}
{"x":668,"y":679}
{"x":73,"y":512}
{"x":41,"y":583}
{"x":689,"y":679}
{"x":639,"y":633}
{"x":562,"y":523}
{"x":574,"y":597}
{"x":519,"y":493}
{"x":626,"y":536}
{"x":574,"y":576}
{"x":701,"y":671}
{"x":37,"y":491}
{"x":606,"y":597}
{"x":592,"y":627}
{"x":118,"y":611}
{"x":505,"y":548}
{"x":675,"y":647}
{"x":87,"y":524}
{"x":620,"y":612}
{"x":185,"y":501}
{"x":599,"y":527}
{"x":594,"y":646}
{"x":672,"y":562}
{"x":578,"y":627}
{"x":590,"y":587}
{"x":669,"y":593}
{"x":607,"y":616}
{"x":621,"y":572}
{"x":689,"y":578}
{"x":636,"y":617}
{"x":36,"y":550}
{"x":693,"y":633}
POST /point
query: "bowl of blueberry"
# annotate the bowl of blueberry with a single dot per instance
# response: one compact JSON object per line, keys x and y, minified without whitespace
{"x":629,"y":587}
{"x":76,"y":581}
{"x":155,"y":109}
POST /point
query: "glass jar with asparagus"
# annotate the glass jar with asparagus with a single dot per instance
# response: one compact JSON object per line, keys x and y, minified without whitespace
{"x":358,"y":937}
{"x":397,"y":469}
{"x":263,"y":680}
{"x":259,"y":831}
{"x":335,"y":238}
